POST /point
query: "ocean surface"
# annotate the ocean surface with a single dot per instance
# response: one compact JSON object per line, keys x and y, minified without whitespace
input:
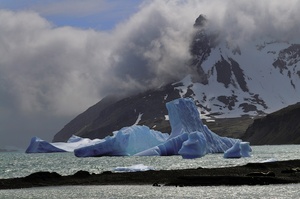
{"x":18,"y":164}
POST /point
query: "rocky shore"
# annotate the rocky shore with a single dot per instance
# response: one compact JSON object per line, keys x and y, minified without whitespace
{"x":281,"y":172}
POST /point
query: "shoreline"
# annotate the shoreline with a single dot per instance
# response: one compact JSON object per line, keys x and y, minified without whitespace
{"x":280,"y":172}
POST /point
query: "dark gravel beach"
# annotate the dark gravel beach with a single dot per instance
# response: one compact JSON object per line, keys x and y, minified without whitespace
{"x":281,"y":172}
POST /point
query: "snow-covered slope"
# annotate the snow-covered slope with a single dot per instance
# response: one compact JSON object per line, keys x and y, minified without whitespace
{"x":253,"y":77}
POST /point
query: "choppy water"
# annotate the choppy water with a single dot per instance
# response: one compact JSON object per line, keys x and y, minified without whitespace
{"x":230,"y":192}
{"x":21,"y":164}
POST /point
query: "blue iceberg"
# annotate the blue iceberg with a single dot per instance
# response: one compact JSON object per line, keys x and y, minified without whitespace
{"x":238,"y":150}
{"x":38,"y":145}
{"x":189,"y":138}
{"x":194,"y":147}
{"x":125,"y":142}
{"x":169,"y":147}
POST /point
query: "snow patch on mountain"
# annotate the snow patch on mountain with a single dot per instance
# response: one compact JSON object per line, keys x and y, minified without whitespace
{"x":257,"y":77}
{"x":138,"y":119}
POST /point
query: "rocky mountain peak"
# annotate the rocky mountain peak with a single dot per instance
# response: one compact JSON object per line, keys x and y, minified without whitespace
{"x":200,"y":49}
{"x":200,"y":22}
{"x":227,"y":81}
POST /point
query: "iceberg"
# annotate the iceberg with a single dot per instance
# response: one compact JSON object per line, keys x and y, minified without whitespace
{"x":189,"y":136}
{"x":238,"y":150}
{"x":134,"y":168}
{"x":125,"y":142}
{"x":245,"y":149}
{"x":38,"y":145}
{"x":194,"y":147}
{"x":169,"y":147}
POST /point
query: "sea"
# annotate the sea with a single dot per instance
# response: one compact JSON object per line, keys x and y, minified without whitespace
{"x":20,"y":164}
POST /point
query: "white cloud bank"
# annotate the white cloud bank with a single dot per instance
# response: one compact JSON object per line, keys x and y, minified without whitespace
{"x":62,"y":70}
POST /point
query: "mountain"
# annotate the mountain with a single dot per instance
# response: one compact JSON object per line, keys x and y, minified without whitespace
{"x":149,"y":107}
{"x":280,"y":127}
{"x":227,"y":79}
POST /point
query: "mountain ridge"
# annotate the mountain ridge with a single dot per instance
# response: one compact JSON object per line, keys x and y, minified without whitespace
{"x":280,"y":127}
{"x":228,"y":80}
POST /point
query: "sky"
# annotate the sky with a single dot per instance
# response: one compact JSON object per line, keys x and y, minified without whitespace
{"x":59,"y":57}
{"x":24,"y":110}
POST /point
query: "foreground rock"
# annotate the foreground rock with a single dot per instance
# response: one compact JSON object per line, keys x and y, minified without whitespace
{"x":282,"y":172}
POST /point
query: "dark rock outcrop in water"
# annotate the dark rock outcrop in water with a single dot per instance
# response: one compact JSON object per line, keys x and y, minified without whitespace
{"x":280,"y":127}
{"x":282,"y":172}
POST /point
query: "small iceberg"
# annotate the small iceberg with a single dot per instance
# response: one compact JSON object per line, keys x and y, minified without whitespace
{"x":134,"y":168}
{"x":238,"y":150}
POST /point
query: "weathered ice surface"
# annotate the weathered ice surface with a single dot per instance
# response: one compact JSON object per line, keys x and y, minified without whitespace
{"x":189,"y":137}
{"x":185,"y":120}
{"x":125,"y":142}
{"x":238,"y":150}
{"x":38,"y":145}
{"x":194,"y":147}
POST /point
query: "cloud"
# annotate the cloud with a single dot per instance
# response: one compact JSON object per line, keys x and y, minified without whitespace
{"x":244,"y":20}
{"x":61,"y":71}
{"x":39,"y":63}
